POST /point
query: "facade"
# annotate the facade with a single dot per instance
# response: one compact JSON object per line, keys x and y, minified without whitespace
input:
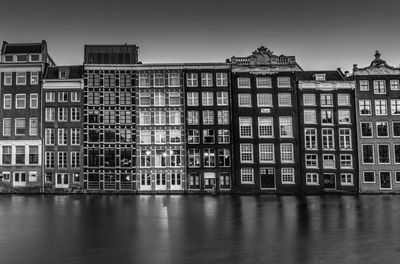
{"x":160,"y":148}
{"x":109,"y":122}
{"x":327,"y":132}
{"x":62,"y":125}
{"x":208,"y":127}
{"x":265,"y":123}
{"x":21,"y":68}
{"x":378,"y":129}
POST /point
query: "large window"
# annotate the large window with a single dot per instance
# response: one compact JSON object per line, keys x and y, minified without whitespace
{"x":223,"y":117}
{"x":344,"y":116}
{"x":266,"y":152}
{"x":7,"y":101}
{"x":75,"y":136}
{"x":145,"y":137}
{"x":380,"y":107}
{"x":309,"y":100}
{"x":328,"y":161}
{"x":7,"y":154}
{"x":328,"y":138}
{"x":287,"y":155}
{"x":310,"y":138}
{"x":20,"y":101}
{"x":326,"y":100}
{"x":394,"y":85}
{"x":224,"y":158}
{"x":327,"y":117}
{"x":369,"y":176}
{"x":49,"y":136}
{"x":223,"y":136}
{"x":206,"y":79}
{"x":246,"y":153}
{"x":20,"y":126}
{"x":175,"y":136}
{"x":395,"y":106}
{"x":19,"y":154}
{"x":245,"y":127}
{"x":109,"y":98}
{"x":192,"y":99}
{"x":244,"y":100}
{"x":364,"y":85}
{"x":174,"y":117}
{"x":379,"y":87}
{"x":33,"y":101}
{"x":222,"y":79}
{"x":160,"y":136}
{"x":287,"y":175}
{"x":144,"y":80}
{"x":62,"y":114}
{"x":174,"y":79}
{"x":207,"y":98}
{"x":396,"y":129}
{"x":311,"y":161}
{"x":208,"y":117}
{"x":264,"y":100}
{"x":208,"y":136}
{"x":396,"y":153}
{"x":62,"y":136}
{"x":7,"y":78}
{"x":383,"y":154}
{"x":365,"y":107}
{"x":312,"y":179}
{"x":382,"y":129}
{"x":191,"y":79}
{"x":33,"y":155}
{"x":62,"y":159}
{"x":159,"y":117}
{"x":21,"y":78}
{"x":159,"y":80}
{"x":144,"y":99}
{"x":263,"y":82}
{"x":343,"y":99}
{"x":284,"y":82}
{"x":367,"y":154}
{"x":366,"y":129}
{"x":194,"y":158}
{"x":209,"y":158}
{"x":222,"y":98}
{"x":145,"y":118}
{"x":109,"y":117}
{"x":265,"y":127}
{"x":285,"y":126}
{"x":93,"y":98}
{"x":193,"y":117}
{"x":125,"y":117}
{"x":33,"y":126}
{"x":75,"y":114}
{"x":310,"y":116}
{"x":346,"y":161}
{"x":246,"y":175}
{"x":345,"y":138}
{"x":243,"y":82}
{"x":284,"y":99}
{"x":6,"y":127}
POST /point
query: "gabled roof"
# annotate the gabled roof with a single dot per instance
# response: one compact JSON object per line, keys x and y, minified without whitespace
{"x":16,"y":48}
{"x":72,"y":72}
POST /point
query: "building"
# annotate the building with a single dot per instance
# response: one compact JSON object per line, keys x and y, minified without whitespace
{"x":21,"y":68}
{"x":265,"y":123}
{"x":327,"y":132}
{"x":160,"y":148}
{"x":109,"y":129}
{"x":378,"y":129}
{"x":208,"y":127}
{"x":62,"y":105}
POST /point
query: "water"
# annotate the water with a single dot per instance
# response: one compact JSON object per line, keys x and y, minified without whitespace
{"x":199,"y":229}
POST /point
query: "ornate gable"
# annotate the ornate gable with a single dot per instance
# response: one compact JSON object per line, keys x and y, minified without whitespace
{"x":377,"y":67}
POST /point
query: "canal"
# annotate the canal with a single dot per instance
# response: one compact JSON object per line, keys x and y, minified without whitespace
{"x":199,"y":229}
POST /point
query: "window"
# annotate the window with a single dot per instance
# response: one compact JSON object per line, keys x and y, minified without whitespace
{"x":222,"y":98}
{"x":394,"y":85}
{"x":287,"y":155}
{"x":365,"y":107}
{"x":20,"y":126}
{"x":208,"y":117}
{"x":395,"y":107}
{"x":310,"y":138}
{"x":311,"y":161}
{"x":367,"y":154}
{"x":369,"y":176}
{"x":50,"y":97}
{"x":379,"y":87}
{"x":285,"y":126}
{"x":160,"y":136}
{"x":206,"y":79}
{"x":326,"y":100}
{"x":159,"y":80}
{"x":309,"y":99}
{"x":62,"y":136}
{"x":22,"y":57}
{"x":244,"y":100}
{"x":397,"y":176}
{"x":310,"y":116}
{"x":125,"y":98}
{"x":109,"y":98}
{"x":145,"y":137}
{"x":380,"y":107}
{"x":109,"y":135}
{"x":263,"y":82}
{"x":383,"y":154}
{"x":346,"y":179}
{"x":207,"y":98}
{"x":328,"y":138}
{"x":144,"y":80}
{"x":145,"y":118}
{"x":284,"y":82}
{"x":396,"y":153}
{"x":34,"y":77}
{"x":222,"y":79}
{"x":265,"y":127}
{"x":344,"y":116}
{"x":366,"y":129}
{"x":246,"y":153}
{"x":7,"y":153}
{"x":326,"y":117}
{"x":21,"y":78}
{"x":75,"y":114}
{"x":62,"y":114}
{"x":175,"y":136}
{"x":224,"y":158}
{"x":343,"y":99}
{"x":264,"y":100}
{"x":125,"y":135}
{"x":6,"y":127}
{"x":62,"y":159}
{"x":192,"y":99}
{"x":145,"y":158}
{"x":8,"y":78}
{"x":75,"y":159}
{"x":160,"y":117}
{"x":346,"y":161}
{"x":49,"y":136}
{"x":320,"y":77}
{"x":7,"y":102}
{"x":396,"y":129}
{"x":382,"y":129}
{"x":364,"y":85}
{"x":266,"y":152}
{"x":328,"y":161}
{"x":125,"y":117}
{"x":62,"y":97}
{"x":284,"y":99}
{"x":193,"y":117}
{"x":191,"y":79}
{"x":19,"y":154}
{"x":174,"y":79}
{"x":75,"y":97}
{"x":245,"y":127}
{"x":223,"y":136}
{"x":34,"y":101}
{"x":194,"y":158}
{"x":75,"y":136}
{"x":209,"y":158}
{"x":33,"y":126}
{"x":287,"y":175}
{"x":20,"y":100}
{"x":223,"y":117}
{"x":33,"y":155}
{"x":208,"y":136}
{"x":246,"y":175}
{"x":345,"y":138}
{"x":243,"y":82}
{"x":312,"y":179}
{"x":93,"y":98}
{"x":175,"y":158}
{"x":144,"y":99}
{"x":174,"y":99}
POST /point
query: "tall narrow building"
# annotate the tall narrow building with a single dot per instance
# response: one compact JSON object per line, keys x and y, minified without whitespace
{"x":378,"y":129}
{"x":265,"y":123}
{"x":21,"y":68}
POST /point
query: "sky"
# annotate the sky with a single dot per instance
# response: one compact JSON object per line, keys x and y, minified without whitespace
{"x":322,"y":34}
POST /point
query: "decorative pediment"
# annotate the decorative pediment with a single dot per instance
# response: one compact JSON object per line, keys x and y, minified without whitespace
{"x":377,"y":67}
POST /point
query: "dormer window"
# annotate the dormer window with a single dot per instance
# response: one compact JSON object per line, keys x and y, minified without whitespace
{"x":35,"y":57}
{"x":320,"y":77}
{"x":22,"y":57}
{"x":9,"y":58}
{"x":62,"y":74}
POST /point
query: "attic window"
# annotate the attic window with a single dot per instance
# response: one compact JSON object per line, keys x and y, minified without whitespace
{"x":62,"y":74}
{"x":22,"y":57}
{"x":320,"y":77}
{"x":35,"y":57}
{"x":9,"y":58}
